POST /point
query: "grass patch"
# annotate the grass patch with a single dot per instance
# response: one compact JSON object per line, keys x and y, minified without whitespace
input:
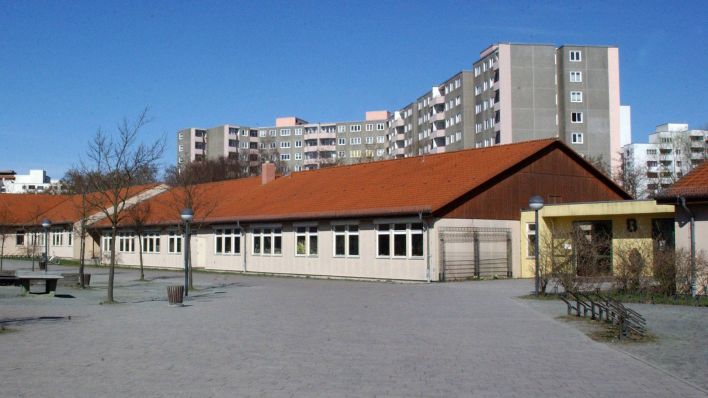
{"x":4,"y":329}
{"x":547,"y":296}
{"x":604,"y":332}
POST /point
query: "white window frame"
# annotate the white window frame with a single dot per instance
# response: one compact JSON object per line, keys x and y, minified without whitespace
{"x":380,"y":126}
{"x":355,"y":128}
{"x":309,"y":234}
{"x":576,"y":76}
{"x":355,"y":141}
{"x":348,"y":231}
{"x":284,"y":132}
{"x":578,"y":116}
{"x":392,"y":229}
{"x":530,"y":246}
{"x":575,"y":56}
{"x":576,"y":96}
{"x":174,"y":242}
{"x":369,"y":140}
{"x":57,"y":237}
{"x":576,"y":137}
{"x":369,"y":127}
{"x":230,"y":235}
{"x":150,"y":242}
{"x":267,"y":234}
{"x":126,"y":242}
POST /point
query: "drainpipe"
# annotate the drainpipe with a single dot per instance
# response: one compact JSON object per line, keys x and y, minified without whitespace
{"x":693,"y":244}
{"x":243,"y":244}
{"x":426,"y":228}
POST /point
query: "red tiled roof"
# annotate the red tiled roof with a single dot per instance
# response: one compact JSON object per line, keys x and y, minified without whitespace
{"x":31,"y":209}
{"x":401,"y":186}
{"x":693,"y":185}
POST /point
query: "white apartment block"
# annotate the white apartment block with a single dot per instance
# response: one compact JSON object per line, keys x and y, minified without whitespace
{"x":513,"y":93}
{"x":672,"y":151}
{"x":37,"y":181}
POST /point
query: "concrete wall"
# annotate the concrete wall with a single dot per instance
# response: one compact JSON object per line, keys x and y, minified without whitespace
{"x":683,"y":228}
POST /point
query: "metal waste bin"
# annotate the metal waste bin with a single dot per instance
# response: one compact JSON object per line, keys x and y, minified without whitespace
{"x":175,"y":294}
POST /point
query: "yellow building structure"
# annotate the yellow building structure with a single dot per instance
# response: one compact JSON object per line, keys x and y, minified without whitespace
{"x":612,"y":230}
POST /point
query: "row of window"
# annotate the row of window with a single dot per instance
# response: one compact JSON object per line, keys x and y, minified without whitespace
{"x":392,"y":240}
{"x":56,"y":238}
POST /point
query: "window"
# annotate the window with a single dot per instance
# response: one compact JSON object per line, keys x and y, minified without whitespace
{"x":306,"y":241}
{"x":106,"y":243}
{"x":379,"y":152}
{"x":57,"y":238}
{"x":151,"y":242}
{"x":298,"y":131}
{"x":399,"y":240}
{"x":355,"y":128}
{"x":531,"y":239}
{"x":355,"y":140}
{"x":576,"y":96}
{"x":477,"y":70}
{"x":174,"y":242}
{"x":298,"y":144}
{"x":346,"y":240}
{"x":181,"y":136}
{"x":478,"y":108}
{"x":298,"y":156}
{"x":355,"y":154}
{"x":285,"y":156}
{"x":576,"y":138}
{"x":575,"y":56}
{"x":20,"y":238}
{"x":198,"y":145}
{"x":285,"y":144}
{"x":181,"y":148}
{"x":379,"y":126}
{"x":341,"y":141}
{"x":576,"y":77}
{"x":576,"y":117}
{"x":267,"y":241}
{"x":272,"y":133}
{"x":380,"y":139}
{"x":477,"y":90}
{"x":341,"y":154}
{"x":369,"y":127}
{"x":227,"y":241}
{"x":261,"y":133}
{"x":126,"y":242}
{"x":341,"y":129}
{"x":369,"y":140}
{"x":284,"y":132}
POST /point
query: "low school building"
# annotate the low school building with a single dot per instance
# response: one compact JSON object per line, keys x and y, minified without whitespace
{"x":437,"y":217}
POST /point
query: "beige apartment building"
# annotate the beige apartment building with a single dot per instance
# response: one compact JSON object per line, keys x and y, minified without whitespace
{"x":513,"y":93}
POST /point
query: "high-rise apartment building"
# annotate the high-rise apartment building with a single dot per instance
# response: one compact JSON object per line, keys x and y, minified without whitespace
{"x":672,"y":151}
{"x":513,"y":93}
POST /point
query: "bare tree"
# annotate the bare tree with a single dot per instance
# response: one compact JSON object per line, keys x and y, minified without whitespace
{"x":600,"y":163}
{"x":631,"y":177}
{"x":112,"y":167}
{"x":138,"y":215}
{"x":78,"y":184}
{"x":5,"y":229}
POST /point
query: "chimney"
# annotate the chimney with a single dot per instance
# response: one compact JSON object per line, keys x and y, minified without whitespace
{"x":267,"y":173}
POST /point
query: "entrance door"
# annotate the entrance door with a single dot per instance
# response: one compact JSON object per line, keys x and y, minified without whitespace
{"x":592,"y":246}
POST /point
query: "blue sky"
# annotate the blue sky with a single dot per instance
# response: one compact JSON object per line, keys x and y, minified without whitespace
{"x":68,"y":68}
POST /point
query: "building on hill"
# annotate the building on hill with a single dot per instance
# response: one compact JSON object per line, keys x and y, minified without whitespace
{"x":513,"y":93}
{"x":399,"y":219}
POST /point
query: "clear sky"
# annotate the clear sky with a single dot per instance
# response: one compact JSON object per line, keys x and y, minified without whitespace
{"x":70,"y":67}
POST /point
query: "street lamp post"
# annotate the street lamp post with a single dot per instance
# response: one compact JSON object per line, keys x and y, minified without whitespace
{"x":187,"y":215}
{"x":536,"y":204}
{"x":46,"y":224}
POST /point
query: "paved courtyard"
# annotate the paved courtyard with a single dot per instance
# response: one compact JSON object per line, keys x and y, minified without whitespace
{"x":267,"y":336}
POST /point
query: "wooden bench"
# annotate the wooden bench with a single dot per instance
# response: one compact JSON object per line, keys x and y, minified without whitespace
{"x":50,"y":280}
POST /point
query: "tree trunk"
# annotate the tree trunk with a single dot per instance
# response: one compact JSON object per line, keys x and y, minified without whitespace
{"x":140,"y":249}
{"x":82,"y":254}
{"x":111,"y":272}
{"x":189,"y":261}
{"x":2,"y":251}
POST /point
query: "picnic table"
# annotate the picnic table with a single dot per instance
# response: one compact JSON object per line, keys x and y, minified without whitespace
{"x":50,"y":280}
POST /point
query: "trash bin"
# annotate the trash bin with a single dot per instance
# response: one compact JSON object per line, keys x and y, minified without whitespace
{"x":87,"y":280}
{"x":42,"y":265}
{"x":175,"y":294}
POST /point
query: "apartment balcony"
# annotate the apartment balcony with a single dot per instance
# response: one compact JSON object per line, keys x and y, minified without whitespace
{"x":399,"y":151}
{"x":328,"y":134}
{"x":399,"y":123}
{"x":400,"y":137}
{"x":439,"y":133}
{"x":438,"y":117}
{"x":437,"y":100}
{"x":312,"y":135}
{"x":310,"y":162}
{"x":311,"y":148}
{"x":327,"y":148}
{"x":440,"y":149}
